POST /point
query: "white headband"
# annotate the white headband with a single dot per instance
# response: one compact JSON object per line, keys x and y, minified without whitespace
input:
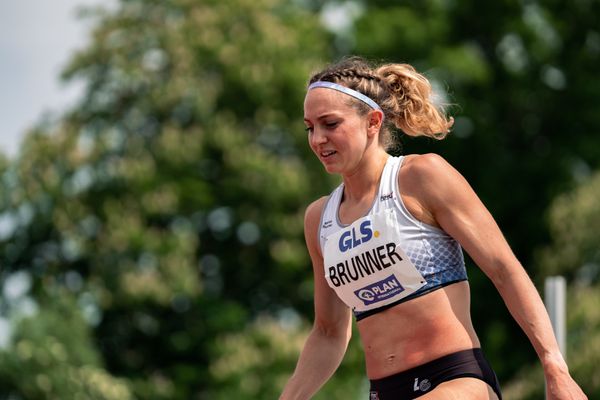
{"x":348,"y":91}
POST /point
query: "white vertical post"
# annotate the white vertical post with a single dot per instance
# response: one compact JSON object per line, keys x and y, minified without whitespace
{"x":555,"y":290}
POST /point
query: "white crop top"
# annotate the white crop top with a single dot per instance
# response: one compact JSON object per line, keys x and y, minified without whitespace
{"x":387,"y":256}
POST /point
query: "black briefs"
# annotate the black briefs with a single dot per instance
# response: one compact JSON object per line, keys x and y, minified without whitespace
{"x":420,"y":380}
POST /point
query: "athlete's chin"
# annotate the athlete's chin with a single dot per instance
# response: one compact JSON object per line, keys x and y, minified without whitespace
{"x":332,"y":168}
{"x":331,"y":164}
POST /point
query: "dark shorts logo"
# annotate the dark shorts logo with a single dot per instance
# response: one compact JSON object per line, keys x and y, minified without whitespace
{"x":379,"y":291}
{"x":422,"y":386}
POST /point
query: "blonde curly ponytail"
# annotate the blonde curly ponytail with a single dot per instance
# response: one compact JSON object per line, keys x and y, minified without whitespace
{"x":410,"y":102}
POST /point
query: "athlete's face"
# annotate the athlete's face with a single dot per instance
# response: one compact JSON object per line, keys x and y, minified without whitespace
{"x":337,"y":133}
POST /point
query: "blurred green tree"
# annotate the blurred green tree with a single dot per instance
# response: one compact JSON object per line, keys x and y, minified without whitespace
{"x":168,"y":204}
{"x":573,"y":252}
{"x":574,"y":220}
{"x":54,"y":357}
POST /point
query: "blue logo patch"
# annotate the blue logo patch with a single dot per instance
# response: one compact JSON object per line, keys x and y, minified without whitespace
{"x":379,"y":291}
{"x":351,"y":238}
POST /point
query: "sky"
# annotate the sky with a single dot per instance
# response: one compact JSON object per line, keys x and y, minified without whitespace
{"x":37,"y":38}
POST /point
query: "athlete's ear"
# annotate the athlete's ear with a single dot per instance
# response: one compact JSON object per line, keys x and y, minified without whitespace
{"x":375,"y":120}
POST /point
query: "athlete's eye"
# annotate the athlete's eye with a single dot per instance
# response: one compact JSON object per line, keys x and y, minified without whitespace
{"x":331,"y":125}
{"x":309,"y":129}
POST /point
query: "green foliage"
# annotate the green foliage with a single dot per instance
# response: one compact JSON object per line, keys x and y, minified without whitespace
{"x":256,"y":362}
{"x":169,"y":202}
{"x":54,"y":357}
{"x":573,"y":252}
{"x":583,"y":349}
{"x":574,"y":221}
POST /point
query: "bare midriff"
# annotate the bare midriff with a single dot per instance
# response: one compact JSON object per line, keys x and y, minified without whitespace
{"x":417,"y":331}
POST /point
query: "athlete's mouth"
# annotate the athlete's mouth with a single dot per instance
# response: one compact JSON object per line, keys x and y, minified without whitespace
{"x":326,"y":154}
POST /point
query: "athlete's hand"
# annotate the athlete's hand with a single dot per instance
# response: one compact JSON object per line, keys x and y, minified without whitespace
{"x":563,"y":387}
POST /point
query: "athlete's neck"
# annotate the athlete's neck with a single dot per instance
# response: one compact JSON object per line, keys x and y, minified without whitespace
{"x":363,"y":182}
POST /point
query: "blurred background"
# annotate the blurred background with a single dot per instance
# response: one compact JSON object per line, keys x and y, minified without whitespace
{"x":151,"y":242}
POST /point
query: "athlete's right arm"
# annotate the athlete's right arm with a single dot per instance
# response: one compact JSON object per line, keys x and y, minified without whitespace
{"x":326,"y":345}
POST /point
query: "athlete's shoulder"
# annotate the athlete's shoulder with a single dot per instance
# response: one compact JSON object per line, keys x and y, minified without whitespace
{"x":428,"y":170}
{"x":313,"y":212}
{"x":426,"y":164}
{"x":429,"y":178}
{"x":312,"y":219}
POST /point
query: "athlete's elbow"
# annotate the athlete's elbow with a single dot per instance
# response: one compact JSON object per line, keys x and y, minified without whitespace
{"x":503,"y":273}
{"x":338,"y":330}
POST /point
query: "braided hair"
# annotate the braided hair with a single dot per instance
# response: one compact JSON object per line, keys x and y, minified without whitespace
{"x":404,"y":95}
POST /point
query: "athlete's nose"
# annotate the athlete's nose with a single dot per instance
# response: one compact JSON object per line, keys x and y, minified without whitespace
{"x":318,"y":136}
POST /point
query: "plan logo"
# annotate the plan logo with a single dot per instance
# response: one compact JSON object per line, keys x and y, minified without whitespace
{"x":379,"y":291}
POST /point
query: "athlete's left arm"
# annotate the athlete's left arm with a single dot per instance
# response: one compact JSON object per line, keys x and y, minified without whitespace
{"x":445,"y":195}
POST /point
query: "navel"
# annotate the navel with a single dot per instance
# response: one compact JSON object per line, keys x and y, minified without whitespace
{"x":390,"y":359}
